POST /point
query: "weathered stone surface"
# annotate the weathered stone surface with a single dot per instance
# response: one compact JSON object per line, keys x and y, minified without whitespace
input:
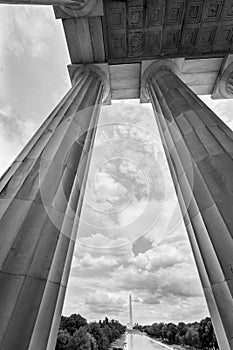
{"x":43,"y":191}
{"x":78,"y":3}
{"x":199,"y":150}
{"x":153,"y":29}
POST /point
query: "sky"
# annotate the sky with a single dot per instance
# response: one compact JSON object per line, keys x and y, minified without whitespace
{"x":131,"y":237}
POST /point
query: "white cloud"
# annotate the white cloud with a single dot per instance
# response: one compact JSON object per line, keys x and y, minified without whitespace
{"x":107,"y":189}
{"x":29,"y":28}
{"x":162,"y":256}
{"x":151,"y":299}
{"x":101,"y":262}
{"x":105,"y":304}
{"x":162,"y":275}
{"x":14,"y":133}
{"x":98,"y":267}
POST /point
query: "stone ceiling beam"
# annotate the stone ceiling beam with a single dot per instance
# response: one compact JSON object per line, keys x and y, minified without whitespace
{"x":65,"y":8}
{"x":77,"y":3}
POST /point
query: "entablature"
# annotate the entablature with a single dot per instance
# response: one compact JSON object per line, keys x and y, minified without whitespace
{"x":127,"y":33}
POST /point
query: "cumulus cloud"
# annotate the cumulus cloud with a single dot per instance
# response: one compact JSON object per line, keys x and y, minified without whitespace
{"x":101,"y":262}
{"x":14,"y":133}
{"x":162,"y":256}
{"x":165,"y":280}
{"x":100,"y":243}
{"x":181,"y":281}
{"x":151,"y":299}
{"x":33,"y":60}
{"x":13,"y":127}
{"x":107,"y":188}
{"x":105,"y":304}
{"x":89,"y":266}
{"x":30,"y":29}
{"x":145,"y":252}
{"x":136,"y":280}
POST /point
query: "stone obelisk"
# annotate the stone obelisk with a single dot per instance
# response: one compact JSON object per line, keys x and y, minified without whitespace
{"x":130,"y":313}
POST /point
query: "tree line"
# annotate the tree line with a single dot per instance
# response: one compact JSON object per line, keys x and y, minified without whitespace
{"x":76,"y":334}
{"x":197,"y":335}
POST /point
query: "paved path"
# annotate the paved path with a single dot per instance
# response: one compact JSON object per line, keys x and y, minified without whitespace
{"x":141,"y":342}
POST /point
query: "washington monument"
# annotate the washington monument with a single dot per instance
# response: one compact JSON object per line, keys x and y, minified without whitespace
{"x":130,"y":313}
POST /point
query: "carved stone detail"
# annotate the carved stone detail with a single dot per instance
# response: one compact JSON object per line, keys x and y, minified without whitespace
{"x":135,"y":17}
{"x":212,"y":10}
{"x":77,"y":3}
{"x":135,"y":43}
{"x":173,"y":65}
{"x":229,"y":84}
{"x":153,"y":42}
{"x":99,"y":70}
{"x":194,"y":12}
{"x":154,"y":15}
{"x":187,"y":27}
{"x":224,"y":83}
{"x":79,"y":8}
{"x":174,"y":12}
{"x":189,"y":37}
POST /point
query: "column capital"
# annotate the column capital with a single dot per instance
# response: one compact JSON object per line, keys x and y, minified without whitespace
{"x":80,"y":8}
{"x":223,"y":87}
{"x":100,"y":70}
{"x":151,"y":67}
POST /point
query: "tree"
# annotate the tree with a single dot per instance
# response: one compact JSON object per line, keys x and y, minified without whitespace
{"x":171,"y":333}
{"x":106,"y":321}
{"x":80,"y":340}
{"x":92,"y":341}
{"x":197,"y":335}
{"x":182,"y":329}
{"x":72,"y":323}
{"x":192,"y":336}
{"x":76,"y":333}
{"x":206,"y":333}
{"x":63,"y":340}
{"x":98,"y":333}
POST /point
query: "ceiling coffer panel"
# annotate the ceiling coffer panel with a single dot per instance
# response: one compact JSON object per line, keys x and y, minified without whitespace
{"x":146,"y":29}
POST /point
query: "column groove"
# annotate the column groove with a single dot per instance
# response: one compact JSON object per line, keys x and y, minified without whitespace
{"x":201,"y":166}
{"x":41,"y":196}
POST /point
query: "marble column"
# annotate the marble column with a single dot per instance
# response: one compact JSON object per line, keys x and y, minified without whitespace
{"x":41,"y":196}
{"x":199,"y":150}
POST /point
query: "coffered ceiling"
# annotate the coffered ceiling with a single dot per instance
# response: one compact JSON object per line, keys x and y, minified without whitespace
{"x":141,"y":29}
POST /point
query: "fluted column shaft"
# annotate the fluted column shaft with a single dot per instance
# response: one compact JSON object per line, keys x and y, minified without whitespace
{"x":199,"y":150}
{"x":41,"y":198}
